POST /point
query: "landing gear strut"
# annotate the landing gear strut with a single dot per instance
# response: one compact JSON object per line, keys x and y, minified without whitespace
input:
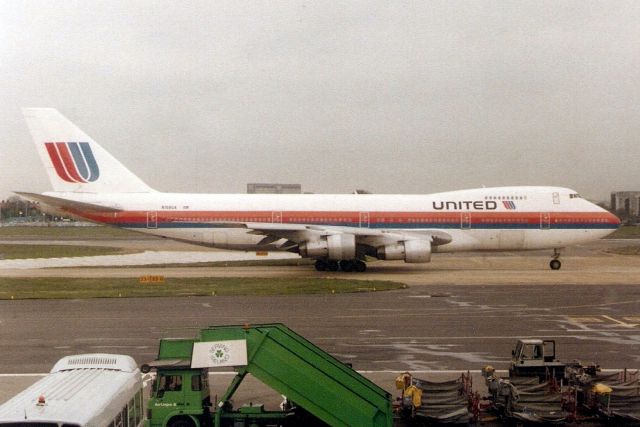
{"x":555,"y":263}
{"x":344,"y":265}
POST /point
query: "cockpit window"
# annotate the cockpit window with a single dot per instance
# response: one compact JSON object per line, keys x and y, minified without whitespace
{"x":574,"y":196}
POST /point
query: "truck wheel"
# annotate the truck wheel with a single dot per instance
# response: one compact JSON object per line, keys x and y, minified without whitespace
{"x":181,"y":422}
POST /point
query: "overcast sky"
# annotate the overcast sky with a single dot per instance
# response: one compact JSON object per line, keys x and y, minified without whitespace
{"x":393,"y":97}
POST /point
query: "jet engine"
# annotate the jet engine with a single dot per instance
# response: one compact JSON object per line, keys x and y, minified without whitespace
{"x":335,"y":247}
{"x":413,"y":251}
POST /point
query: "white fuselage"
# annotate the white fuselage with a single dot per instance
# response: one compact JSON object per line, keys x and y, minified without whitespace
{"x":502,"y":218}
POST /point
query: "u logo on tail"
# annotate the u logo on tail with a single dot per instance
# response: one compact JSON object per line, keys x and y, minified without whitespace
{"x":73,"y":161}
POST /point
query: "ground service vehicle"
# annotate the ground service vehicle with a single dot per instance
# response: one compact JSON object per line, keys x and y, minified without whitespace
{"x":83,"y":390}
{"x":536,"y":358}
{"x":320,"y":389}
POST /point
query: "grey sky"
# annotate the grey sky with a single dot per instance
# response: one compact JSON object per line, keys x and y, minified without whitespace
{"x":412,"y":97}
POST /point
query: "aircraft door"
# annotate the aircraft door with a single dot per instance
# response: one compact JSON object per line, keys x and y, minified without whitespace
{"x":545,"y":220}
{"x":465,"y":220}
{"x":364,"y":219}
{"x":276,"y":217}
{"x":152,"y":219}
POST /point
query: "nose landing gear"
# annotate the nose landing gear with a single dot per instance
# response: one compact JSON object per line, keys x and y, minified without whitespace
{"x":555,"y":263}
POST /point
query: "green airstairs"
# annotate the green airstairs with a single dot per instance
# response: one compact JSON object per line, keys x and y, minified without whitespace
{"x":321,"y":389}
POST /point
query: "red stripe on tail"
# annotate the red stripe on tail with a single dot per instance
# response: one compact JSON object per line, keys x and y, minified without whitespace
{"x":68,"y":162}
{"x":57,"y":162}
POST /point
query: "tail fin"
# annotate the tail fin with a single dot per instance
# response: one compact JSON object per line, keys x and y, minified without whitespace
{"x":73,"y":160}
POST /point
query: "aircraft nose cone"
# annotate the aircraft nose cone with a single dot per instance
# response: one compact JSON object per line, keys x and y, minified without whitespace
{"x":614,"y":219}
{"x":611,"y":219}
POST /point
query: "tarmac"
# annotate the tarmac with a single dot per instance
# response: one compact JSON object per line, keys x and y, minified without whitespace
{"x":461,"y":312}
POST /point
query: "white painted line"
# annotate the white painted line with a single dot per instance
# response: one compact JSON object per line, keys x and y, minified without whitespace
{"x":486,"y":337}
{"x":22,"y":375}
{"x":142,"y":258}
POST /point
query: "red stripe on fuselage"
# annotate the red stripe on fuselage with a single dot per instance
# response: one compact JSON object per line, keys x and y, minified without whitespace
{"x":351,"y":218}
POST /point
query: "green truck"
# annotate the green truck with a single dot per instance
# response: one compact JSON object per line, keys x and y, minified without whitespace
{"x":320,"y":390}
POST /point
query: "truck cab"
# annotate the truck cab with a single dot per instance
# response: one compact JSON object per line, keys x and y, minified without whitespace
{"x":179,"y":397}
{"x":536,"y":357}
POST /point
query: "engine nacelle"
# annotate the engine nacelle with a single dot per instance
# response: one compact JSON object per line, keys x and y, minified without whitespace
{"x":335,"y":247}
{"x":413,"y":251}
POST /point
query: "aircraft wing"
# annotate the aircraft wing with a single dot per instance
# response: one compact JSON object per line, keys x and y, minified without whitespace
{"x":373,"y":238}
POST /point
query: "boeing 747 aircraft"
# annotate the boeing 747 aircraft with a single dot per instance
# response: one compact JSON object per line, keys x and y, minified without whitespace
{"x":339,"y":231}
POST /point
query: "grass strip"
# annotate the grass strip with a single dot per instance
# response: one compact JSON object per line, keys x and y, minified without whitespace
{"x":68,"y":232}
{"x":8,"y":251}
{"x":624,"y":250}
{"x":81,"y":288}
{"x":626,"y":232}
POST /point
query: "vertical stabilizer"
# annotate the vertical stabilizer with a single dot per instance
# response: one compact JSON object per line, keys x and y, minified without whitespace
{"x":73,"y":160}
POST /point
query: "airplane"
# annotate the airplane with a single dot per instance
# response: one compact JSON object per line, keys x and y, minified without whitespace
{"x":338,"y":231}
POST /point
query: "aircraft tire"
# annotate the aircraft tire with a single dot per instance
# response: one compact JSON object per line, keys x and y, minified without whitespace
{"x":333,"y":266}
{"x":360,"y":266}
{"x":320,"y":265}
{"x":555,"y":264}
{"x":346,"y":265}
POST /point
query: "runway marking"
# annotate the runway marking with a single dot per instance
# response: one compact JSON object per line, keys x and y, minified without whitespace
{"x":632,"y":319}
{"x":620,"y":322}
{"x":585,"y":319}
{"x":607,"y":304}
{"x":22,"y":375}
{"x":414,"y":338}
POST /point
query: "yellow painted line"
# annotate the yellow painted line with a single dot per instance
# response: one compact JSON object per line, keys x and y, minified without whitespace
{"x":586,"y":319}
{"x":626,"y":325}
{"x":632,"y":319}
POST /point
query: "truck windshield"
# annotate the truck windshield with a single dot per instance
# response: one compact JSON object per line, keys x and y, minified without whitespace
{"x":170,"y":383}
{"x":532,"y":351}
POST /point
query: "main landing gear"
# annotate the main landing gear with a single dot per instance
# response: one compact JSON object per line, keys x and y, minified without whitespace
{"x":344,"y":265}
{"x":555,"y":263}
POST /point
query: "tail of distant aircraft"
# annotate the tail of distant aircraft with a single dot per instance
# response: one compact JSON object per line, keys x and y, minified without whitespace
{"x":74,"y":161}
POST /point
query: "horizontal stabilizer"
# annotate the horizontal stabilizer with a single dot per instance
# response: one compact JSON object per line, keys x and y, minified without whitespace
{"x":65,"y":205}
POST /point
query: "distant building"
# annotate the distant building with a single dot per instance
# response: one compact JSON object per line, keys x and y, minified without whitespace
{"x":260,"y":188}
{"x":626,"y":202}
